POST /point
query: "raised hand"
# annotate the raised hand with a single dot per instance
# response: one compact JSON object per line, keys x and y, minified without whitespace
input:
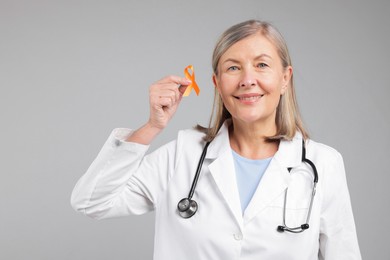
{"x":164,"y":98}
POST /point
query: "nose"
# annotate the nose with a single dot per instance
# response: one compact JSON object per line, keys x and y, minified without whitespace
{"x":248,"y":79}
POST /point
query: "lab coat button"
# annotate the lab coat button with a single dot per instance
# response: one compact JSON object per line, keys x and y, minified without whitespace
{"x":238,"y":236}
{"x":117,"y":143}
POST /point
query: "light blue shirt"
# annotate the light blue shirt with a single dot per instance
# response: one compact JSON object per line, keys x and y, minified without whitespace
{"x":248,"y":174}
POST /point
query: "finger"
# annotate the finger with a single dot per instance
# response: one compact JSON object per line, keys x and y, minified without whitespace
{"x":161,"y":98}
{"x":166,"y":102}
{"x":175,"y":79}
{"x":179,"y":90}
{"x":161,"y":89}
{"x":158,"y":93}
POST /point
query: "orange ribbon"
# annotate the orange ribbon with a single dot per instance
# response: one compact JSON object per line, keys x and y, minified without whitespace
{"x":191,"y":77}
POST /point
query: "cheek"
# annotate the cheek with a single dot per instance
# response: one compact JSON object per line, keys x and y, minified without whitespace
{"x":226,"y":99}
{"x":225,"y":85}
{"x":272,"y":85}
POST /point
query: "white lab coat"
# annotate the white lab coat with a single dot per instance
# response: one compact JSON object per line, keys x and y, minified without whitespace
{"x":123,"y":180}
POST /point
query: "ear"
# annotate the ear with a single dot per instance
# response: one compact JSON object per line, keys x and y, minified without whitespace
{"x":215,"y":81}
{"x":287,"y":74}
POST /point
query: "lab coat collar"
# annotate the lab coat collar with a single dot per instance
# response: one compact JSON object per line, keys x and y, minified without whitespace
{"x":221,"y":142}
{"x":289,"y":152}
{"x":273,"y":183}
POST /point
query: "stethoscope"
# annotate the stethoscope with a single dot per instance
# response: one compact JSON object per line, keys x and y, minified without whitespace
{"x":187,"y":207}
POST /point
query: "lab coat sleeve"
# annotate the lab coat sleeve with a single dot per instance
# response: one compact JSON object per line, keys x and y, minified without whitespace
{"x":338,"y":239}
{"x":122,"y":180}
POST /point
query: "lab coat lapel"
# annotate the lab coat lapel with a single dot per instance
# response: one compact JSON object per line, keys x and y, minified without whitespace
{"x":223,"y":171}
{"x":274,"y":181}
{"x":276,"y":178}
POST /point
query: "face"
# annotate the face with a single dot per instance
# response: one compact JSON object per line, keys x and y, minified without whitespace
{"x":251,"y":80}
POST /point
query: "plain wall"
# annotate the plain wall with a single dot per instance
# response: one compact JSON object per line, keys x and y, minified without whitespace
{"x":71,"y":71}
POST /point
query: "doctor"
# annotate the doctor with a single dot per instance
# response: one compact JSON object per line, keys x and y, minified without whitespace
{"x":252,"y":180}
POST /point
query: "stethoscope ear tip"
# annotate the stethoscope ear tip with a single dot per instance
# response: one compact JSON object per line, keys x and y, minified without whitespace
{"x":305,"y":226}
{"x":280,"y":229}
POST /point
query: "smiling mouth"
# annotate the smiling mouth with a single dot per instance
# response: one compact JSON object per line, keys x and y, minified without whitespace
{"x":249,"y":97}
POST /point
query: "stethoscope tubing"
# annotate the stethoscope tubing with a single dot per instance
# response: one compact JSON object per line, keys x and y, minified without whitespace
{"x":198,"y":169}
{"x":188,"y":207}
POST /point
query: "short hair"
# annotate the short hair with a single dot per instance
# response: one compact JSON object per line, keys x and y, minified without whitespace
{"x":288,"y":119}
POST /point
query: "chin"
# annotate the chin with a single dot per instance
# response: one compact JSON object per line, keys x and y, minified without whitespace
{"x":254,"y":118}
{"x":248,"y":119}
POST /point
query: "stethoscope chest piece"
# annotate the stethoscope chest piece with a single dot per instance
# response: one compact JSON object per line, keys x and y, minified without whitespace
{"x":187,"y":207}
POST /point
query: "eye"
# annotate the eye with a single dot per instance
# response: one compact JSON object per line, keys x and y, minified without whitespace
{"x":232,"y":68}
{"x":262,"y":65}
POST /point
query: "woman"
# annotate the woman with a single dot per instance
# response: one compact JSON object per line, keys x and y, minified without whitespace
{"x":258,"y":149}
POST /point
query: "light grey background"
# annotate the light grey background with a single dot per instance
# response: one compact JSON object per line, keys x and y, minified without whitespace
{"x":71,"y":71}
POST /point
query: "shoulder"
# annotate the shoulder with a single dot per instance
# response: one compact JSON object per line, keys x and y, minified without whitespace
{"x":190,"y":138}
{"x":320,"y":151}
{"x":187,"y":139}
{"x":328,"y":161}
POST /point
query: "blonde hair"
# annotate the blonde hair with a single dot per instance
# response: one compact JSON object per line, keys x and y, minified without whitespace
{"x":288,"y":119}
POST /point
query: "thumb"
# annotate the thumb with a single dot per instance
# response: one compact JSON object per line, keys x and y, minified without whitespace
{"x":184,"y":83}
{"x":182,"y":88}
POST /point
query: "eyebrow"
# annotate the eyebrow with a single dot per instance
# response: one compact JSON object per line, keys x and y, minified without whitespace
{"x":256,"y":58}
{"x":263,"y":56}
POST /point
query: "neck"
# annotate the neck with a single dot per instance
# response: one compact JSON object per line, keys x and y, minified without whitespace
{"x":249,"y":140}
